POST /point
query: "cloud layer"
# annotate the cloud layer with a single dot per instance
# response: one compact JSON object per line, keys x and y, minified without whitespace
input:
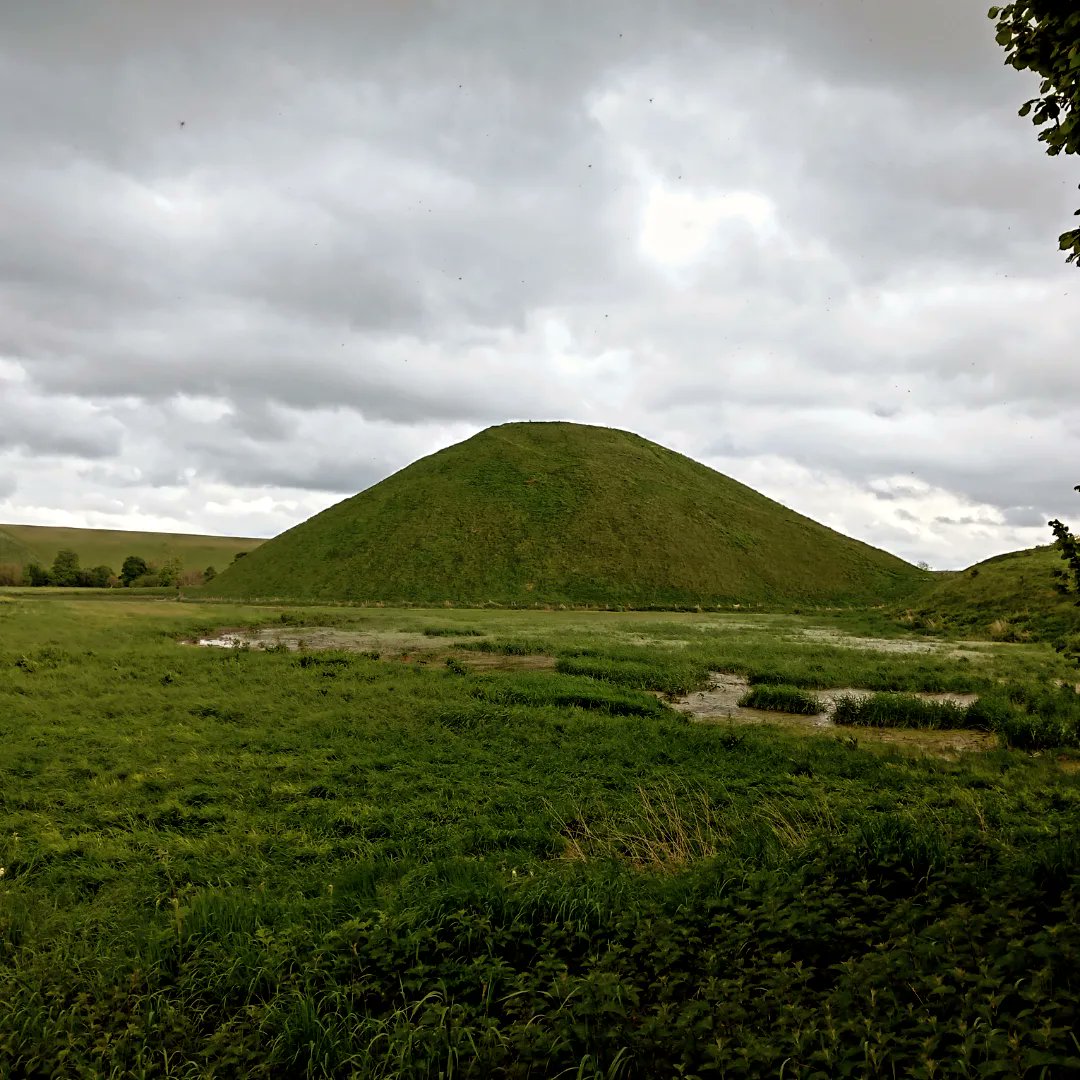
{"x":255,"y":258}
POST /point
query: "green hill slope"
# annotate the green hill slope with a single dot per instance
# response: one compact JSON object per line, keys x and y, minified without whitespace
{"x":565,"y":513}
{"x":109,"y":547}
{"x":1008,"y":596}
{"x":13,"y":552}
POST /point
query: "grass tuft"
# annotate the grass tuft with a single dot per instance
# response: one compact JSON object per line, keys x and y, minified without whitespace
{"x":899,"y":711}
{"x":788,"y":699}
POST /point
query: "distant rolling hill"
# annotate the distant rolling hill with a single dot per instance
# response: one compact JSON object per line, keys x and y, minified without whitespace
{"x":109,"y":547}
{"x":1007,"y":596}
{"x":12,"y":550}
{"x":550,"y":513}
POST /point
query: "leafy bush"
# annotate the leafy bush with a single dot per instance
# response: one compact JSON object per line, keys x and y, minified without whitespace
{"x":36,"y":575}
{"x":789,"y":699}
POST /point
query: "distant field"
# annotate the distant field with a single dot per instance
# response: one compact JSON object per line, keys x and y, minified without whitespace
{"x":109,"y":547}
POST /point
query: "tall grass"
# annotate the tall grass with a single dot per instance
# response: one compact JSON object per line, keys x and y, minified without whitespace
{"x":899,"y":710}
{"x":789,"y":699}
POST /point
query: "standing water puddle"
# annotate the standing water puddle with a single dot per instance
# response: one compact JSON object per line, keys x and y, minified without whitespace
{"x":407,"y":645}
{"x":323,"y":637}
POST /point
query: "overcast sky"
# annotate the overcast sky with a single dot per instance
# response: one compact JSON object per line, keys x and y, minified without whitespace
{"x":256,"y":256}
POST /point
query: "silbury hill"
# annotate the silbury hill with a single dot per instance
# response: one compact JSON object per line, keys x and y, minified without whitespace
{"x":549,"y":513}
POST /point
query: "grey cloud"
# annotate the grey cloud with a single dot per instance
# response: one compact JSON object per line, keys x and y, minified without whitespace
{"x":340,"y":476}
{"x":1024,"y":517}
{"x":57,"y":426}
{"x":943,"y":519}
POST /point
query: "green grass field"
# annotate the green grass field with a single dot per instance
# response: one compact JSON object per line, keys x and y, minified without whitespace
{"x":485,"y":845}
{"x":549,"y":513}
{"x":109,"y":547}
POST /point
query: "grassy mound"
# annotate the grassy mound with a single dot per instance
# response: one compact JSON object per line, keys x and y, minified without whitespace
{"x":1010,"y":597}
{"x":565,"y":513}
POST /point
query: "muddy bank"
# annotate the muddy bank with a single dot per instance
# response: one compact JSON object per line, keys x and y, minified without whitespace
{"x":295,"y":638}
{"x":402,"y":645}
{"x":924,"y":646}
{"x":718,"y":703}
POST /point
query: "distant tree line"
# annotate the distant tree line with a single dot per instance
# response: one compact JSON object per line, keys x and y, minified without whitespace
{"x":136,"y":572}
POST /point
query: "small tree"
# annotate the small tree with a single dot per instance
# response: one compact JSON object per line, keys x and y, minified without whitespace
{"x":134,"y":567}
{"x":65,"y":568}
{"x":170,"y":573}
{"x":209,"y":574}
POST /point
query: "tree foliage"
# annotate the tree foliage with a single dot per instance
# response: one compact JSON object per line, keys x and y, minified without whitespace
{"x":65,"y":568}
{"x":1043,"y":36}
{"x":134,"y":567}
{"x":97,"y":577}
{"x":171,"y":572}
{"x":35,"y":574}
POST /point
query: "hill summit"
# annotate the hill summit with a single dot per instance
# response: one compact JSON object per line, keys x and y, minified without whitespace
{"x":550,"y":512}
